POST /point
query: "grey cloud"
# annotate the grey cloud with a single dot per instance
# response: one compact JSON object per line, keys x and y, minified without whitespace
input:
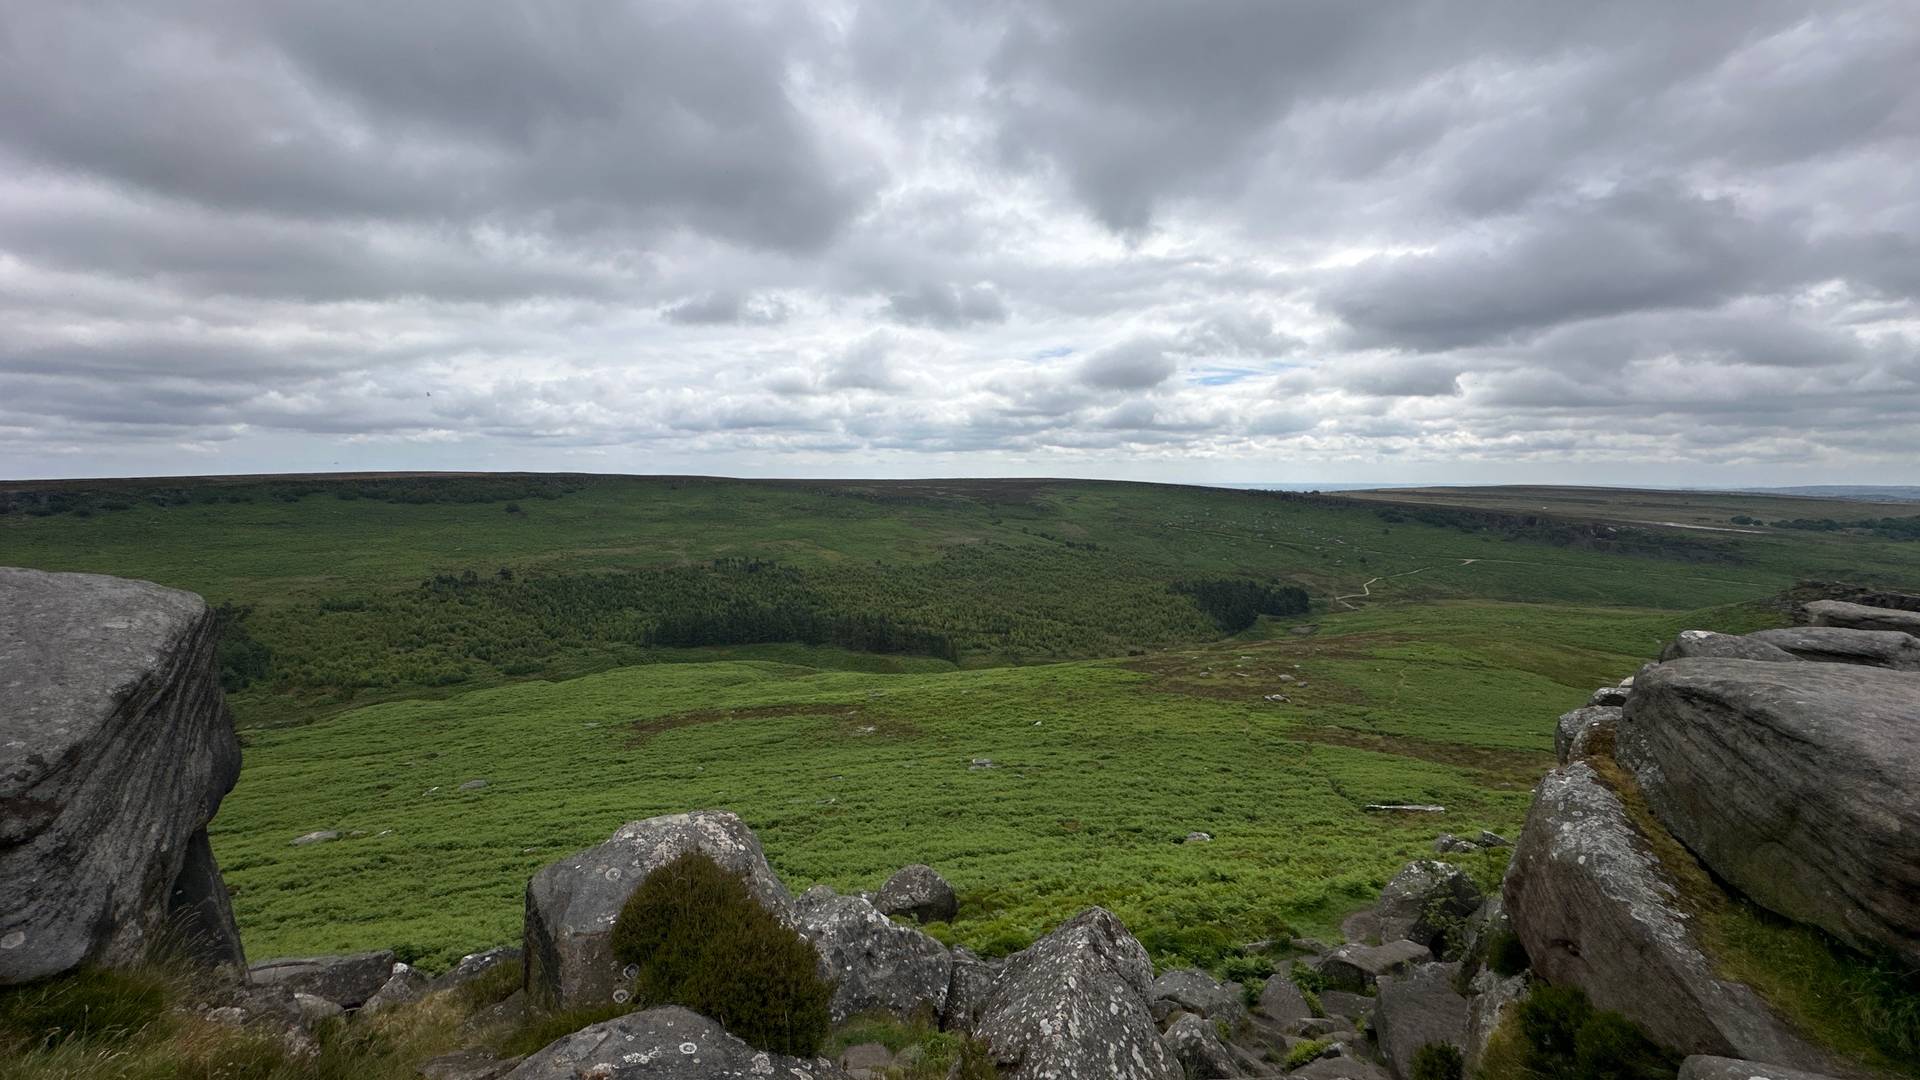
{"x":947,"y":306}
{"x":726,"y":309}
{"x":1135,"y":364}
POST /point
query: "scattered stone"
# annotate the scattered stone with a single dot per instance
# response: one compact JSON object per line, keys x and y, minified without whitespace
{"x":467,"y":1065}
{"x":473,"y":785}
{"x":1304,"y":630}
{"x":1281,"y":1000}
{"x":1198,"y":1049}
{"x":1198,"y":838}
{"x":118,"y":750}
{"x":1278,"y":699}
{"x":1405,"y":808}
{"x":1609,"y":697}
{"x":1074,"y":1004}
{"x":1489,"y":839}
{"x":967,"y":993}
{"x":407,"y":983}
{"x":1356,"y":967}
{"x":1448,"y":844}
{"x":1574,"y":732}
{"x":1723,"y":646}
{"x":1797,"y":784}
{"x":314,"y":1009}
{"x":321,"y":837}
{"x":1595,"y":910}
{"x":347,"y":981}
{"x":571,"y":904}
{"x":1861,"y":617}
{"x":474,"y":965}
{"x":875,"y":964}
{"x":1196,"y":992}
{"x":664,"y":1043}
{"x":1703,"y":1067}
{"x":1892,"y":649}
{"x":1424,"y":902}
{"x":919,"y":892}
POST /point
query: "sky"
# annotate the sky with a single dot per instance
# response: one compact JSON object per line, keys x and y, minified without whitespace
{"x":1639,"y":242}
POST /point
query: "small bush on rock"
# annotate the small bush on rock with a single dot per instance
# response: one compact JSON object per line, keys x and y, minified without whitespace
{"x":699,"y":939}
{"x":1305,"y":1052}
{"x":1565,"y":1036}
{"x":1438,"y":1061}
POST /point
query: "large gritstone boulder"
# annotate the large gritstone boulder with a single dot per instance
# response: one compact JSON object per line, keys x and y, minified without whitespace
{"x":1799,"y":784}
{"x":347,"y":981}
{"x":1724,"y":647}
{"x":1837,"y":645}
{"x":919,"y":893}
{"x":571,"y":904}
{"x":875,"y":964}
{"x":1075,"y":1004}
{"x":1428,"y":901}
{"x":1595,"y":910}
{"x":115,"y":750}
{"x":1197,"y":1046}
{"x":1862,"y":617}
{"x":664,"y":1043}
{"x":1415,"y":1009}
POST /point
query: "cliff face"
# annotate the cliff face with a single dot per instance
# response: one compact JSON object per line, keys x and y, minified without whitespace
{"x":116,"y":748}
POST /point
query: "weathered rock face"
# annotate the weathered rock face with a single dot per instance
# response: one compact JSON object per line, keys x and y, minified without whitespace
{"x":919,"y":893}
{"x":347,"y":981}
{"x":115,"y":750}
{"x":1415,"y":1009}
{"x":1862,"y":617}
{"x":1197,"y":1047}
{"x":1702,"y":1067}
{"x":665,"y":1043}
{"x":1724,"y":647}
{"x":876,"y":964}
{"x":1355,"y":968}
{"x":474,"y":965}
{"x":1595,"y":910}
{"x":407,"y":983}
{"x":968,"y":990}
{"x":1575,"y":731}
{"x":1195,"y":991}
{"x":1494,"y":999}
{"x":1075,"y":1004}
{"x":1799,"y":784}
{"x":1893,"y":649}
{"x":1426,"y":901}
{"x":571,"y":904}
{"x":1281,"y":1000}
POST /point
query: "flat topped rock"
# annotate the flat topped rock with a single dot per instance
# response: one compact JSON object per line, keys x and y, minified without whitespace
{"x":1894,"y":649}
{"x":1725,"y":646}
{"x":1862,"y":617}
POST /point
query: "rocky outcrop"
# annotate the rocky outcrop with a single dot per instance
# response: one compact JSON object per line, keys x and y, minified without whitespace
{"x":968,"y":990}
{"x":1197,"y":1047}
{"x":116,"y":748}
{"x":1356,"y":968}
{"x":1702,"y":1067}
{"x":1799,"y":784}
{"x":1074,"y":1004}
{"x":1427,"y":901}
{"x":1724,"y":647}
{"x":1415,"y":1009}
{"x":571,"y":904}
{"x":1195,"y":991}
{"x":874,"y":963}
{"x":347,"y":981}
{"x":1574,"y":732}
{"x":665,"y":1043}
{"x":1893,"y":649}
{"x":919,"y":893}
{"x":1861,"y":617}
{"x":1595,"y":910}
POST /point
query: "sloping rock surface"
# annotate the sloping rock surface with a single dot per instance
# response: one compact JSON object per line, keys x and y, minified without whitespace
{"x":1723,"y":646}
{"x":1423,"y":900}
{"x":115,"y":750}
{"x":1702,"y":1067}
{"x":1074,"y":1004}
{"x":1195,"y":991}
{"x":665,"y":1043}
{"x":1415,"y":1009}
{"x":875,"y":964}
{"x":1574,"y":732}
{"x":1799,"y":784}
{"x":1356,"y":967}
{"x":347,"y":981}
{"x":1595,"y":910}
{"x":571,"y":904}
{"x":1198,"y":1048}
{"x":1862,"y":617}
{"x":1893,"y":649}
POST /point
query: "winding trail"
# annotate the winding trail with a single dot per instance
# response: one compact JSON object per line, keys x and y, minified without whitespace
{"x":1366,"y":590}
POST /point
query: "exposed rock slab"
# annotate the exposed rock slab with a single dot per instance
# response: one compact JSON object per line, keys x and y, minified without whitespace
{"x":571,"y":904}
{"x":1074,"y":1004}
{"x":875,"y":964}
{"x":474,"y":965}
{"x":1356,"y":967}
{"x":1723,"y":647}
{"x":1415,"y":1009}
{"x":1595,"y":910}
{"x":919,"y":893}
{"x":467,"y":1065}
{"x":665,"y":1043}
{"x":1862,"y":617}
{"x":116,"y":748}
{"x":1195,"y":991}
{"x":1339,"y":1068}
{"x":1281,"y":1000}
{"x":1895,"y":649}
{"x":1799,"y":784}
{"x":1703,"y":1067}
{"x":347,"y":981}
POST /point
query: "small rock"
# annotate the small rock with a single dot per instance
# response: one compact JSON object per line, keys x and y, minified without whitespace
{"x":1198,"y":838}
{"x":875,"y":964}
{"x":1357,"y":967}
{"x":1195,"y":991}
{"x":1346,"y":1004}
{"x":981,"y":763}
{"x":1281,"y":1000}
{"x":918,"y":891}
{"x":1197,"y":1046}
{"x":1492,"y":839}
{"x":407,"y":983}
{"x":473,"y":785}
{"x":319,"y":837}
{"x":473,"y":965}
{"x":687,"y":1046}
{"x":1448,"y":844}
{"x":1427,"y":901}
{"x":1405,"y":808}
{"x":347,"y":981}
{"x":314,"y":1009}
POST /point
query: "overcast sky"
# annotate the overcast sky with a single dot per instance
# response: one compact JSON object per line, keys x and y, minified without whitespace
{"x":1627,"y":242}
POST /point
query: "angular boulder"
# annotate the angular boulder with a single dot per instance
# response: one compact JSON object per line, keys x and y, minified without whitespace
{"x":1723,"y":647}
{"x":1893,"y":649}
{"x":1197,"y":1047}
{"x":664,"y":1043}
{"x":1799,"y":784}
{"x":1355,"y":968}
{"x":1415,"y":1009}
{"x":406,"y":984}
{"x":347,"y":981}
{"x":1281,"y":1000}
{"x":1861,"y":617}
{"x":1195,"y":991}
{"x":918,"y":893}
{"x":1574,"y":732}
{"x":875,"y":964}
{"x":116,"y":748}
{"x":1428,"y":901}
{"x":474,"y":965}
{"x":968,"y":990}
{"x":1074,"y":1004}
{"x":1595,"y":910}
{"x":571,"y":904}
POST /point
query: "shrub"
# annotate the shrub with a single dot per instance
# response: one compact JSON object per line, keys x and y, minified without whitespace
{"x":699,"y":939}
{"x":1305,"y":1052}
{"x":1438,"y":1061}
{"x":1565,"y":1036}
{"x":1506,"y":955}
